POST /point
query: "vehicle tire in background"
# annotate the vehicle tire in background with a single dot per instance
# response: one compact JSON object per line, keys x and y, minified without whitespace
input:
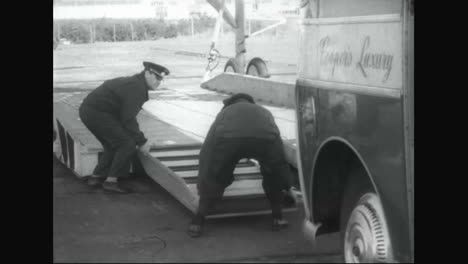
{"x":232,"y":66}
{"x":257,"y":67}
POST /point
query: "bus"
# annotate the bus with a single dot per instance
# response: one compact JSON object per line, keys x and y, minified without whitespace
{"x":355,"y":125}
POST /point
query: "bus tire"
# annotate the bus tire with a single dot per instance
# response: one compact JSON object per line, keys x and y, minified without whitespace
{"x":364,"y":232}
{"x":257,"y":67}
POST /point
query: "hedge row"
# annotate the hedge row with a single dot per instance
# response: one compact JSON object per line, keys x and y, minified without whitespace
{"x":86,"y":31}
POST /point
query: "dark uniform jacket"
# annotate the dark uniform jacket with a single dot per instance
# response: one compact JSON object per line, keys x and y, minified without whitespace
{"x":122,"y":98}
{"x":238,"y":121}
{"x":244,"y":119}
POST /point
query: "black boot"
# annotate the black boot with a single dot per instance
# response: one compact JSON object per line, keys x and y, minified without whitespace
{"x":195,"y":228}
{"x":289,"y":197}
{"x":114,"y":187}
{"x":278,"y":224}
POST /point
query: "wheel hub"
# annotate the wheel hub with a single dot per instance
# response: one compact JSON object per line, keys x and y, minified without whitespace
{"x":366,"y":237}
{"x":357,"y":249}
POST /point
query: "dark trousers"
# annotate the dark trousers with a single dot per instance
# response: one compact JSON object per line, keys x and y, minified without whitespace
{"x":119,"y":147}
{"x":218,"y":159}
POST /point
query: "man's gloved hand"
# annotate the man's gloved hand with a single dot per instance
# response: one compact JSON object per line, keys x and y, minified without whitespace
{"x":145,"y":148}
{"x":290,"y":197}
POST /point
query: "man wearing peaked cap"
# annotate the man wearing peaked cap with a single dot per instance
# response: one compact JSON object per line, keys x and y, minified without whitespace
{"x":156,"y":68}
{"x":109,"y":112}
{"x":242,"y":129}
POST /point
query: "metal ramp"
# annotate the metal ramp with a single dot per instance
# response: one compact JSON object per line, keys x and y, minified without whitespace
{"x":173,"y":163}
{"x":176,"y":168}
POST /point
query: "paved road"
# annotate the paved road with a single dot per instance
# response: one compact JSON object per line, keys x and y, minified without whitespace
{"x":149,"y":226}
{"x":86,"y":66}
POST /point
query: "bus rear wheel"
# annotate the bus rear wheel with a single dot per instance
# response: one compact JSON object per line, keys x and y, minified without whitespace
{"x":365,"y":232}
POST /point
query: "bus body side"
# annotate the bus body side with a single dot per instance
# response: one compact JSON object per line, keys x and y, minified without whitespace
{"x":354,"y":120}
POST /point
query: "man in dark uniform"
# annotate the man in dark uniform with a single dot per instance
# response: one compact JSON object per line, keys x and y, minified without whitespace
{"x":109,"y":112}
{"x":242,"y":129}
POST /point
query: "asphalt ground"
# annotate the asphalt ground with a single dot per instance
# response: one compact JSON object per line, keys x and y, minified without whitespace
{"x":149,"y":225}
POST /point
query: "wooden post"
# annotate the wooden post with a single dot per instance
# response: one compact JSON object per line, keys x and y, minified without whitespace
{"x":114,"y":32}
{"x":91,"y":33}
{"x":131,"y":30}
{"x":191,"y":18}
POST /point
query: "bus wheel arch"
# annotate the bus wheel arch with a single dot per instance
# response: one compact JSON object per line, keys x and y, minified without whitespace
{"x":335,"y":161}
{"x":345,"y":199}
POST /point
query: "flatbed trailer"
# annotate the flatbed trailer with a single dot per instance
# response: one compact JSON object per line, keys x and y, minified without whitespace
{"x":177,"y":139}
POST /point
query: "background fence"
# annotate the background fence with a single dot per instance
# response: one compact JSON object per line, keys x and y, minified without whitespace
{"x":112,"y":30}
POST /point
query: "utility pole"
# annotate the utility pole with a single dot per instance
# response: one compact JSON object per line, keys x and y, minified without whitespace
{"x":91,"y":33}
{"x":58,"y":31}
{"x":114,"y":31}
{"x":191,"y":18}
{"x":131,"y":31}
